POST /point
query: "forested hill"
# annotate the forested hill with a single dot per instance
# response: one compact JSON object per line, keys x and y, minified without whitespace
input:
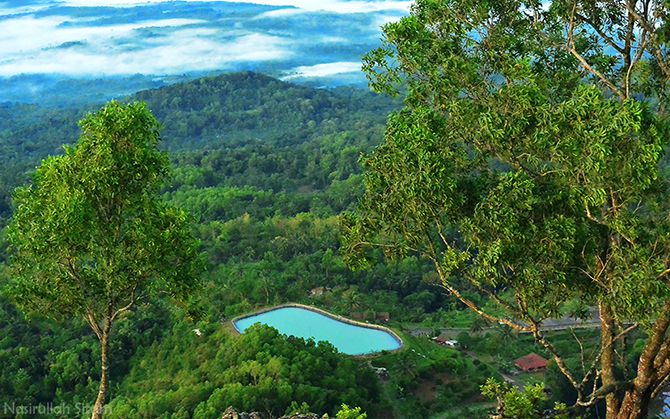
{"x":228,"y":111}
{"x":239,"y":106}
{"x":248,"y":105}
{"x":264,"y":167}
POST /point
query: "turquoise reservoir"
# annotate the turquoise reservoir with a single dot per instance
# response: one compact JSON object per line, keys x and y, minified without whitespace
{"x":303,"y":323}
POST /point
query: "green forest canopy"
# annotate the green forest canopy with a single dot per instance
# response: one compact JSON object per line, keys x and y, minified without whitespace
{"x":530,"y":158}
{"x":265,"y":204}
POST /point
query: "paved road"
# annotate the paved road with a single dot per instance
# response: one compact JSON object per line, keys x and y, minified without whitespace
{"x":547,"y":325}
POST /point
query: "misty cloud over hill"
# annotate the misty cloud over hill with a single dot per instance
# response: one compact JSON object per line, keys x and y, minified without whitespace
{"x":52,"y":46}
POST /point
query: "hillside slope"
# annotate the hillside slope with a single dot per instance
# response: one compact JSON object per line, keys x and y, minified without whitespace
{"x":265,"y":168}
{"x":249,"y":105}
{"x":210,"y":113}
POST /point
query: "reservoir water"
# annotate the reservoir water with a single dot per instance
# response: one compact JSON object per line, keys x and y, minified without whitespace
{"x":300,"y":322}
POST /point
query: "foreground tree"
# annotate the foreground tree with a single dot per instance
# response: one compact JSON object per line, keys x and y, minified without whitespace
{"x":90,"y":237}
{"x":528,"y":164}
{"x":347,"y":412}
{"x":514,"y":402}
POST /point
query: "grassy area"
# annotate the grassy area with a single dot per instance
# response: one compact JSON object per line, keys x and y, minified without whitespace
{"x":529,"y":379}
{"x":426,"y":377}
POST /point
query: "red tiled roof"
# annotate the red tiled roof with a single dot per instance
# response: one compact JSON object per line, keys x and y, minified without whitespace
{"x":531,"y":362}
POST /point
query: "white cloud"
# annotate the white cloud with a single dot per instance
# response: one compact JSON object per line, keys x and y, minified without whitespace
{"x":335,"y":6}
{"x":332,"y":40}
{"x":26,"y":35}
{"x":27,"y":46}
{"x":188,"y":55}
{"x":381,"y":20}
{"x":323,"y":70}
{"x":6,"y":11}
{"x":279,"y":13}
{"x":41,"y":44}
{"x":111,"y":3}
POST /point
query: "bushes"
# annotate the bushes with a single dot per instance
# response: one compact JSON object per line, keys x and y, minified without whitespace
{"x":259,"y":370}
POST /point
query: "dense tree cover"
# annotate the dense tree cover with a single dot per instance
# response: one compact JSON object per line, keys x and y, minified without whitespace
{"x":427,"y":378}
{"x":243,"y":124}
{"x":259,"y":370}
{"x":527,"y":403}
{"x":282,"y":259}
{"x":90,"y":237}
{"x":266,"y":213}
{"x":46,"y":362}
{"x":529,"y":158}
{"x":29,"y":133}
{"x":258,"y":106}
{"x":307,"y":167}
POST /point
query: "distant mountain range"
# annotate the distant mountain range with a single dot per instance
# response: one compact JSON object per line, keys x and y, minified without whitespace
{"x":61,"y":52}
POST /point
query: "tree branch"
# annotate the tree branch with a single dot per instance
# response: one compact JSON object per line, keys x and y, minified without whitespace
{"x":649,"y":27}
{"x":664,"y":377}
{"x":539,"y":338}
{"x":664,"y":273}
{"x":605,"y":391}
{"x":609,"y":40}
{"x":594,"y":366}
{"x":607,"y":356}
{"x":571,"y":48}
{"x":472,"y":306}
{"x":581,"y":350}
{"x":94,"y":325}
{"x":627,"y":58}
{"x":656,"y":345}
{"x":126,"y":307}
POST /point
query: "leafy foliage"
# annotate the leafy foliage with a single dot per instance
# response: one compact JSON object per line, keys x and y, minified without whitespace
{"x":265,"y":214}
{"x":516,"y":403}
{"x":346,"y":412}
{"x":91,"y":237}
{"x":260,"y":370}
{"x":90,"y":234}
{"x":529,"y":158}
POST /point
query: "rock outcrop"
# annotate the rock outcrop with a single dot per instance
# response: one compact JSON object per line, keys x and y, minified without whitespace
{"x":231,"y":413}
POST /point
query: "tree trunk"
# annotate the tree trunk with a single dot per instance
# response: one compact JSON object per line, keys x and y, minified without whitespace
{"x":634,"y":406}
{"x":607,"y":359}
{"x":99,"y":407}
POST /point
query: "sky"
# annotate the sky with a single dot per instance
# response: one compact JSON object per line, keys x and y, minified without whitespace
{"x":315,"y":40}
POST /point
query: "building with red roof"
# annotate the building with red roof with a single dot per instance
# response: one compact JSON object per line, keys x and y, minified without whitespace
{"x":531,"y":363}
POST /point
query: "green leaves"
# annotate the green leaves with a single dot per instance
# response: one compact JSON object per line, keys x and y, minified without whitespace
{"x":528,"y":403}
{"x":347,"y":412}
{"x":90,"y":235}
{"x":117,"y":153}
{"x":525,"y":159}
{"x":518,"y":179}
